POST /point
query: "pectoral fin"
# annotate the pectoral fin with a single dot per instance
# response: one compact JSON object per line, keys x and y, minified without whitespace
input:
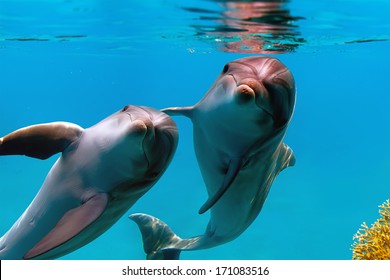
{"x":233,"y":169}
{"x":71,"y":224}
{"x":41,"y":140}
{"x":179,"y":111}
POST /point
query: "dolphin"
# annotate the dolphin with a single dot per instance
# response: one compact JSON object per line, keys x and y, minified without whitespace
{"x":102,"y":171}
{"x":238,"y":130}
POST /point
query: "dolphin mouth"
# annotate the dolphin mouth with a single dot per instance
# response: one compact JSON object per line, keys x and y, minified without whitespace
{"x":158,"y":152}
{"x":148,"y":137}
{"x":245,"y":88}
{"x":147,"y":145}
{"x":234,"y":78}
{"x":131,"y":117}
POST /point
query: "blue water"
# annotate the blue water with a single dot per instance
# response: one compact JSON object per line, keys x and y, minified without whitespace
{"x":80,"y":61}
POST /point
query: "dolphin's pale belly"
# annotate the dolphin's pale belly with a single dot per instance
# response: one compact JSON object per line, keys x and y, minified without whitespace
{"x":242,"y":202}
{"x":114,"y":210}
{"x":48,"y":206}
{"x":67,"y":186}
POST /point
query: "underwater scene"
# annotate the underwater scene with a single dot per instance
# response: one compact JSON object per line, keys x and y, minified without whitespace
{"x":273,"y":142}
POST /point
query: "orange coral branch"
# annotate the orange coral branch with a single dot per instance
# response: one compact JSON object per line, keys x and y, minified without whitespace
{"x":374,"y":243}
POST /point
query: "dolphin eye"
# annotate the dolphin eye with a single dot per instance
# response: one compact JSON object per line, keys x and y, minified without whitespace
{"x":125,"y":108}
{"x":225,"y":69}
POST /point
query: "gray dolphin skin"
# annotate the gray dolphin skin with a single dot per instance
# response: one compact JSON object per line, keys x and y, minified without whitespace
{"x":238,"y":128}
{"x":101,"y":172}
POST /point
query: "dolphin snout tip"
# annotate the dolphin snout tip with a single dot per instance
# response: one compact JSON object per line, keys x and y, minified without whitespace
{"x":245,"y":93}
{"x":143,"y":128}
{"x":139,"y":126}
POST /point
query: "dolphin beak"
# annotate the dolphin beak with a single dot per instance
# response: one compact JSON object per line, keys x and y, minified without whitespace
{"x":148,"y":143}
{"x":244,"y":93}
{"x":251,"y":90}
{"x":142,"y":129}
{"x":159,"y":145}
{"x":272,"y":98}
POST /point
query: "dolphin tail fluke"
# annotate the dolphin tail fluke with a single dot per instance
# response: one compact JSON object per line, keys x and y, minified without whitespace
{"x":160,"y":242}
{"x":179,"y":111}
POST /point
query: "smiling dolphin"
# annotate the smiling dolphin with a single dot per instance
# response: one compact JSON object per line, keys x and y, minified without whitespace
{"x":102,"y":171}
{"x":239,"y":128}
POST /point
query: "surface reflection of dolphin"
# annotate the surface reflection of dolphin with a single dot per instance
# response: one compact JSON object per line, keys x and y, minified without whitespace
{"x":264,"y":27}
{"x":102,"y":171}
{"x":239,"y":128}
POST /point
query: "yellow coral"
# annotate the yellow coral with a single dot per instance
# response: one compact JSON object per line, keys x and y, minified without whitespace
{"x":374,"y":243}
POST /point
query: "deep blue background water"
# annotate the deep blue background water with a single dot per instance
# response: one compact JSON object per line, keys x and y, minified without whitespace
{"x":80,"y":61}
